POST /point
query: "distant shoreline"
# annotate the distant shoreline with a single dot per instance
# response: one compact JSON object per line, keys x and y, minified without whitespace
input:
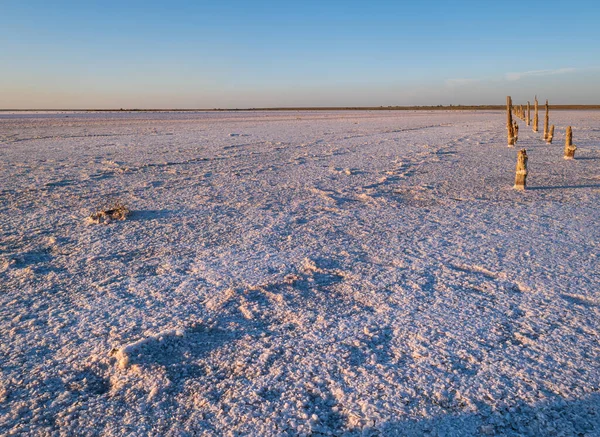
{"x":328,"y":108}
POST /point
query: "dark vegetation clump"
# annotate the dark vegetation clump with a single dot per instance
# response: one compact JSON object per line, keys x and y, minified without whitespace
{"x":115,"y":211}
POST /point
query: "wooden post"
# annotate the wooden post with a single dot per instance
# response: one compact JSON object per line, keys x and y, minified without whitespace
{"x":516,"y":131}
{"x":569,"y":147}
{"x":535,"y":115}
{"x":528,"y":114}
{"x":546,"y":122}
{"x":521,"y":176}
{"x":509,"y":123}
{"x":550,"y":135}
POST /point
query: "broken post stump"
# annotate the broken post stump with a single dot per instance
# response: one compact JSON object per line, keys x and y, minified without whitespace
{"x":535,"y":115}
{"x":546,"y":122}
{"x":509,"y":122}
{"x":569,"y":147}
{"x":550,"y":135}
{"x":521,"y":176}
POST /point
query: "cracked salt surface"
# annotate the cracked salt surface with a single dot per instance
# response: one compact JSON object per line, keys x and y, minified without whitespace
{"x":289,"y":273}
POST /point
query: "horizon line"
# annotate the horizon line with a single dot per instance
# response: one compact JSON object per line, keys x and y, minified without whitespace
{"x":302,"y":108}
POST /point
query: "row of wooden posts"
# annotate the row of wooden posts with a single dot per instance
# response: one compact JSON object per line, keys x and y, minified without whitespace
{"x":524,"y":113}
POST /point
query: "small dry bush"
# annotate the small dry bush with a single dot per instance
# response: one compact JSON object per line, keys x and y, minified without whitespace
{"x":115,"y":211}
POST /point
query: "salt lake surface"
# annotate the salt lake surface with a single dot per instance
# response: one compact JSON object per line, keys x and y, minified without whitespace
{"x":288,"y":273}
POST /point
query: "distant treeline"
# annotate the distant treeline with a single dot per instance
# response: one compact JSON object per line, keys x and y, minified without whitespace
{"x":408,"y":108}
{"x":320,"y":108}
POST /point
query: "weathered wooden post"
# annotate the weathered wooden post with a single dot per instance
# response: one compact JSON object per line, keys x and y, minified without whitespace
{"x":535,"y":115}
{"x":521,"y":176}
{"x":550,"y":135}
{"x":509,"y":123}
{"x":569,"y":147}
{"x":546,"y":122}
{"x":516,"y":131}
{"x":528,"y":114}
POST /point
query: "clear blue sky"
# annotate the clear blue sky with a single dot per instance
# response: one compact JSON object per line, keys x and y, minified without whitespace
{"x":200,"y":54}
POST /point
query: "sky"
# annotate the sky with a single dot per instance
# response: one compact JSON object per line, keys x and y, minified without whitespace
{"x":244,"y":54}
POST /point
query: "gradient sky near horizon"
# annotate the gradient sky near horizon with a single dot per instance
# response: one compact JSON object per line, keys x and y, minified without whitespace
{"x":255,"y":53}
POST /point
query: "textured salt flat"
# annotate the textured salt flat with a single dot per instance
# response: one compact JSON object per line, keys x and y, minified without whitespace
{"x":286,"y":273}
